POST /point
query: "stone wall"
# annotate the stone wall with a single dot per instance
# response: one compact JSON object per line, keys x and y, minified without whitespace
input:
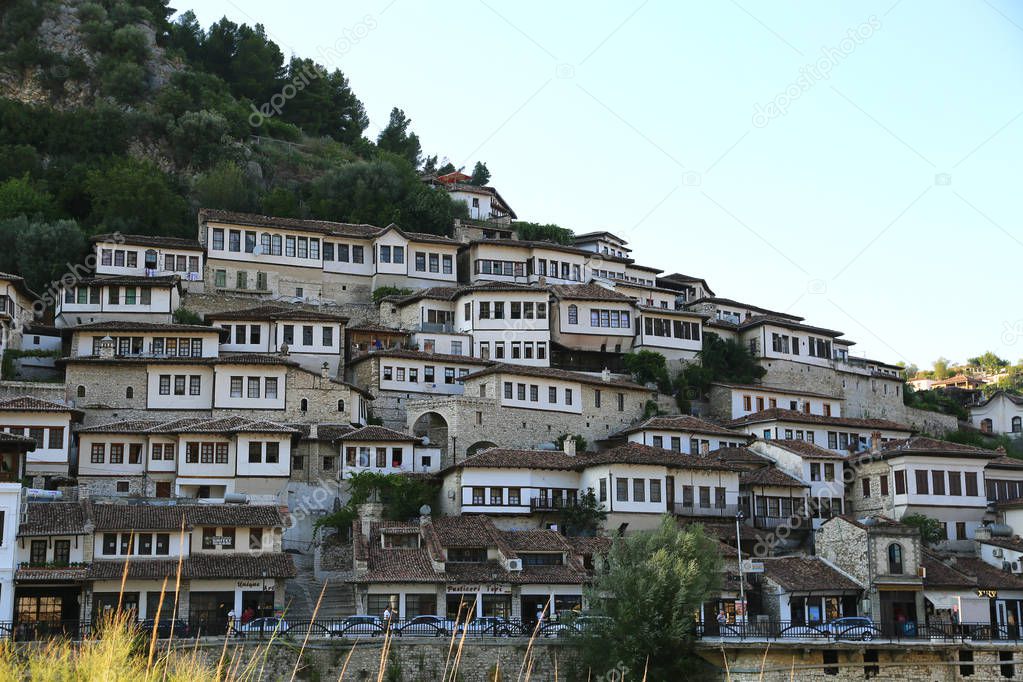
{"x":782,"y":663}
{"x":418,"y":661}
{"x":36,"y":389}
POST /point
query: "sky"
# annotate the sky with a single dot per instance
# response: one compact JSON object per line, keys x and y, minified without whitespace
{"x":857,"y":164}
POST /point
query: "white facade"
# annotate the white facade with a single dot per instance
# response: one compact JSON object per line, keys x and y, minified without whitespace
{"x":52,"y":433}
{"x":161,"y":257}
{"x":506,"y":326}
{"x":1002,"y":413}
{"x":10,"y":515}
{"x":746,"y":400}
{"x":118,"y":298}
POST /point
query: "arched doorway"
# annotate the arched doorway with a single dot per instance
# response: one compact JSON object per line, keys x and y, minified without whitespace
{"x":478,"y":446}
{"x":434,"y":427}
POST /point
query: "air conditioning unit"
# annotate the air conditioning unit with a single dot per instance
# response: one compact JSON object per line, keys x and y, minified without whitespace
{"x":514,"y":564}
{"x":1007,"y":566}
{"x":1015,"y":567}
{"x":996,"y":552}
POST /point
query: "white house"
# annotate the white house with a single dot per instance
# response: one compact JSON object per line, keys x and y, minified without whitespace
{"x":508,"y":323}
{"x":118,"y":297}
{"x":591,"y":317}
{"x":12,"y":469}
{"x":999,"y":413}
{"x":385,"y":451}
{"x":148,"y":256}
{"x":16,"y":310}
{"x":310,"y":338}
{"x":48,"y":424}
{"x":822,"y":471}
{"x":683,"y":433}
{"x":732,"y":401}
{"x":842,"y":434}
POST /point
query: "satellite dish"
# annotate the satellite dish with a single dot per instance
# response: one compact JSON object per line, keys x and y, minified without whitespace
{"x":425,"y":510}
{"x":425,"y":440}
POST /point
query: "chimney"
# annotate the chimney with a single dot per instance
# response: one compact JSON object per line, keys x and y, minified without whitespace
{"x":325,"y":371}
{"x":605,"y":375}
{"x":370,"y":513}
{"x":875,"y":441}
{"x":982,"y":533}
{"x":705,"y":447}
{"x":106,"y":347}
{"x":569,"y":446}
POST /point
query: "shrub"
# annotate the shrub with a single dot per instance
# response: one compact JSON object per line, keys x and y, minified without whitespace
{"x":123,"y":81}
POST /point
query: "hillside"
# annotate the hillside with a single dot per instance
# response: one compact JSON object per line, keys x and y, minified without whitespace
{"x":113,"y":117}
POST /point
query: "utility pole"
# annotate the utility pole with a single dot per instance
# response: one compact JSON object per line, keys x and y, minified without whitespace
{"x":738,"y":546}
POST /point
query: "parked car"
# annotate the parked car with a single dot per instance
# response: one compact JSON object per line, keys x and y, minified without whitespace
{"x":852,"y":627}
{"x":357,"y":626}
{"x":163,"y":628}
{"x":490,"y":626}
{"x":425,"y":626}
{"x":571,"y":624}
{"x":262,"y":627}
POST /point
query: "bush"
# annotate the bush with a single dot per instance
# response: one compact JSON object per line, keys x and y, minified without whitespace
{"x":130,"y":42}
{"x":22,"y":196}
{"x":185,"y":316}
{"x":382,"y":292}
{"x":124,"y":81}
{"x":198,"y":138}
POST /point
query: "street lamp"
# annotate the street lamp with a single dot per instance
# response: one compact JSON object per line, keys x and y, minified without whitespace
{"x":262,"y":593}
{"x":738,"y":546}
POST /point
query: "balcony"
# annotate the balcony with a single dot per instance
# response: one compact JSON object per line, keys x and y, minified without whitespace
{"x":436,"y":327}
{"x":548,"y":504}
{"x":685,"y":509}
{"x":775,"y":522}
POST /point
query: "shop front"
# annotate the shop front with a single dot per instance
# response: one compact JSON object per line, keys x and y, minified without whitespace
{"x":47,"y":610}
{"x":552,"y":601}
{"x":479,"y":599}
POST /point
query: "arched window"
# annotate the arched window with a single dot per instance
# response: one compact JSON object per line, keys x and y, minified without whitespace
{"x":340,"y":406}
{"x":1017,"y":424}
{"x":129,"y":393}
{"x":81,"y":391}
{"x":304,"y":404}
{"x":150,"y":260}
{"x":986,"y":426}
{"x":573,"y":314}
{"x":895,"y":559}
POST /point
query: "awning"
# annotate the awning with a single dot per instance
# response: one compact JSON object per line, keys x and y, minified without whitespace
{"x":944,"y":600}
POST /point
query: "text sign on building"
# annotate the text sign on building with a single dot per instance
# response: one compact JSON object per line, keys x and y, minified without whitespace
{"x":473,"y":589}
{"x":750,"y":566}
{"x":221,"y":540}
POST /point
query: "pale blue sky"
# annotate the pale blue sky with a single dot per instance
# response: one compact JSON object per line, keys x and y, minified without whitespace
{"x":883,"y":202}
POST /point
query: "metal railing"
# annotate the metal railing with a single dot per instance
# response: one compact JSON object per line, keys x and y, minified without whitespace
{"x":290,"y":629}
{"x":552,"y":503}
{"x":865,"y":631}
{"x":697,"y":509}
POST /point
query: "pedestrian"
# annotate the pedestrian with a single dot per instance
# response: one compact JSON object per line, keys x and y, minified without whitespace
{"x":722,"y":618}
{"x":388,"y":615}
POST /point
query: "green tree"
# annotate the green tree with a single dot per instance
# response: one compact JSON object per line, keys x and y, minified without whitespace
{"x":22,"y":196}
{"x":325,"y":104}
{"x":585,"y":517}
{"x":133,"y":193}
{"x":988,"y":362}
{"x":648,"y":367}
{"x":720,"y":359}
{"x":656,"y":581}
{"x":225,"y":186}
{"x":941,"y":368}
{"x":39,"y":250}
{"x":398,"y":139}
{"x":931,"y":530}
{"x":543,"y":233}
{"x":480,"y":174}
{"x":198,"y":138}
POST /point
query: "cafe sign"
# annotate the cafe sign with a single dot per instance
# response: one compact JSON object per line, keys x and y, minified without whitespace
{"x":243,"y":584}
{"x":473,"y":589}
{"x":987,"y":594}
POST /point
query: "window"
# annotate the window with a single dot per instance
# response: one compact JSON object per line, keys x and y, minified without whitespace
{"x":328,"y":336}
{"x":218,"y":239}
{"x":234,"y":240}
{"x":270,"y":388}
{"x":37,"y":554}
{"x":56,"y":437}
{"x":255,"y":452}
{"x":960,"y":530}
{"x":884,"y":485}
{"x":236,"y":387}
{"x":895,"y":559}
{"x":937,"y":482}
{"x":866,"y":487}
{"x":621,"y":402}
{"x":655,"y":490}
{"x":61,"y":552}
{"x":622,"y":489}
{"x":921,"y":481}
{"x":971,"y":483}
{"x":117,"y":453}
{"x":303,"y":405}
{"x":194,"y":385}
{"x":829,"y":472}
{"x":900,"y":482}
{"x":639,"y":490}
{"x":573,"y":314}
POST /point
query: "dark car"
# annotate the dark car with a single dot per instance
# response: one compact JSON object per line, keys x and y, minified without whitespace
{"x":426,"y":626}
{"x":165,"y":627}
{"x":852,"y":627}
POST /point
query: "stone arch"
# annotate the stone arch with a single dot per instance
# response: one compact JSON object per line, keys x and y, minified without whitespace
{"x":434,"y":426}
{"x":478,"y":446}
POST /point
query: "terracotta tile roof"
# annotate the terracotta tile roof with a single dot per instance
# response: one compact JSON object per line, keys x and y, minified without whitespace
{"x":588,"y":292}
{"x":778,"y":414}
{"x":558,"y":374}
{"x":786,"y":322}
{"x":363,"y":231}
{"x":1014,"y":543}
{"x":1011,"y":397}
{"x":807,"y":574}
{"x":332,"y":432}
{"x":463,"y":531}
{"x":399,"y":565}
{"x":740,"y":456}
{"x":599,"y":544}
{"x":940,"y":575}
{"x":920,"y":445}
{"x":31,"y":404}
{"x":277,"y":312}
{"x":191,"y":425}
{"x":147,"y":240}
{"x":138,"y":326}
{"x":200,"y":566}
{"x":684,"y":423}
{"x":536,"y":540}
{"x":874,"y":522}
{"x":634,"y":453}
{"x":512,"y":458}
{"x":738,"y":304}
{"x":53,"y":518}
{"x":804,"y":449}
{"x":30,"y":574}
{"x":377,"y":433}
{"x":988,"y":577}
{"x":1005,"y":462}
{"x":407,"y":354}
{"x":770,"y":476}
{"x":168,"y":517}
{"x":22,"y":441}
{"x":770,"y":388}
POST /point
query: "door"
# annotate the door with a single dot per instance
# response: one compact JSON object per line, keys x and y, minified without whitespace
{"x":669,"y":493}
{"x":163,"y":489}
{"x":207,"y":612}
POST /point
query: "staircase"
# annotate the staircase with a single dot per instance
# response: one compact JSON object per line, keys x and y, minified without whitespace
{"x":303,"y":590}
